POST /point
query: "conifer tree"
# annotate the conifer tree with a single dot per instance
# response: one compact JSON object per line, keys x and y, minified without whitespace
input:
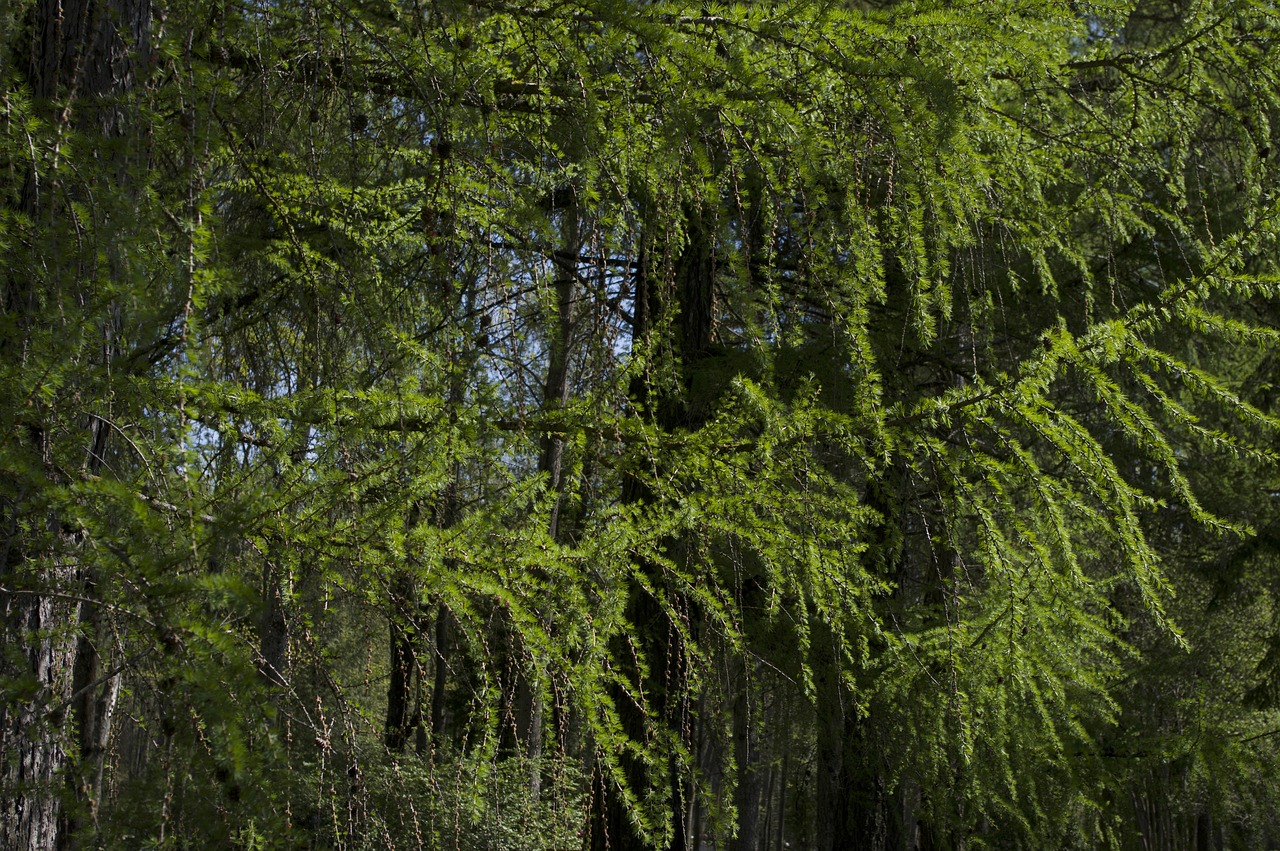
{"x":759,"y":423}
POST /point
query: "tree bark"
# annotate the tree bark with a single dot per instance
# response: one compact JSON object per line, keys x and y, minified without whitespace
{"x":530,"y":709}
{"x":690,"y":304}
{"x":404,"y":663}
{"x":750,"y":795}
{"x":30,"y":728}
{"x":83,"y":54}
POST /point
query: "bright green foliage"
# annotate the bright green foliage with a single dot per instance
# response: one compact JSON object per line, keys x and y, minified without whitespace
{"x":475,"y":422}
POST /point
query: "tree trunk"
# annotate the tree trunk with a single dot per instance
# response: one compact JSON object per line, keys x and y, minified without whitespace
{"x":750,"y":794}
{"x":83,"y":54}
{"x":665,"y":687}
{"x":442,"y":647}
{"x":30,"y":727}
{"x":404,"y":662}
{"x":273,"y":630}
{"x":93,"y":701}
{"x":525,"y":732}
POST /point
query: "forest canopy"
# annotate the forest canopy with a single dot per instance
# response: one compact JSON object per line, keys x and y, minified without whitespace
{"x":589,"y":425}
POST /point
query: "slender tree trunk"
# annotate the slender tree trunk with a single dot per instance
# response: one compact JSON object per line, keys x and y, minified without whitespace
{"x":437,"y":621}
{"x":853,"y":807}
{"x":442,"y":647}
{"x":404,"y":662}
{"x":414,"y":634}
{"x":780,"y":841}
{"x":830,"y":740}
{"x":93,"y":702}
{"x":529,"y":709}
{"x":750,"y":794}
{"x":273,"y":630}
{"x":555,"y":391}
{"x":666,"y":686}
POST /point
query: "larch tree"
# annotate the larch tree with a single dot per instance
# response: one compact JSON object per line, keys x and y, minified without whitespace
{"x":627,"y":425}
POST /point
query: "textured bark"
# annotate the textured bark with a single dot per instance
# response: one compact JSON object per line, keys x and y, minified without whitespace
{"x":31,"y":737}
{"x":94,"y":692}
{"x":83,"y":54}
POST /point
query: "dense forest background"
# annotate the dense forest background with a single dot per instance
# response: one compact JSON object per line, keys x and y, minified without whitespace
{"x":601,"y":424}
